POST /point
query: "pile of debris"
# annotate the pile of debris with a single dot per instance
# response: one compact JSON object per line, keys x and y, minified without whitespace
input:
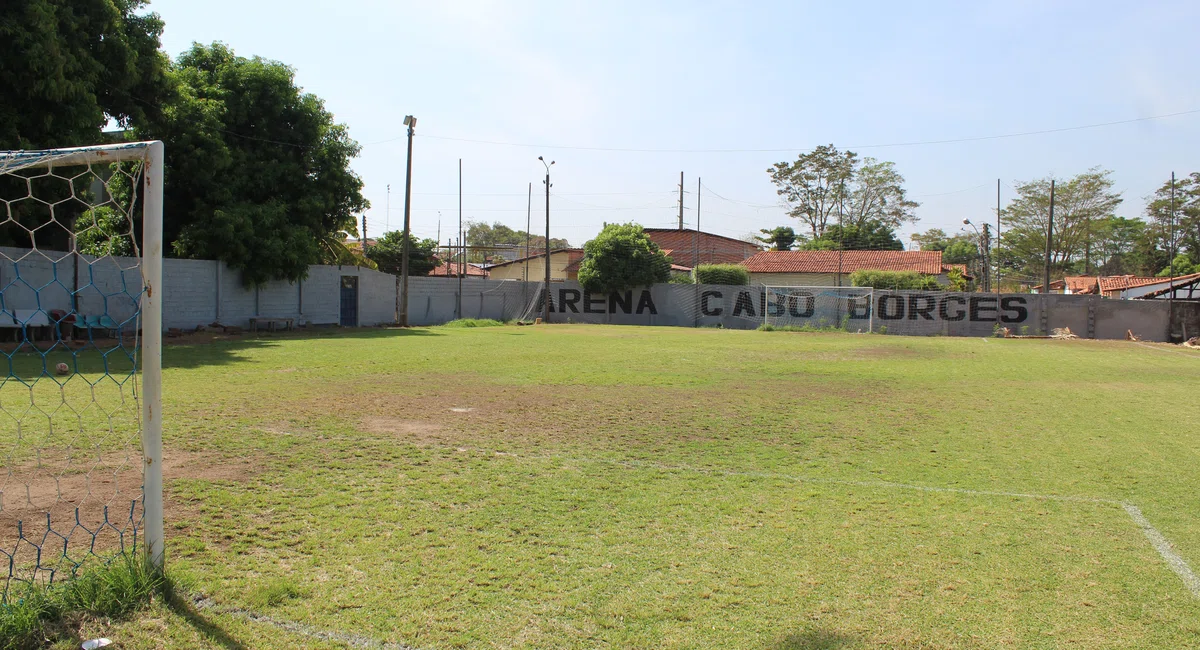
{"x":1063,"y":333}
{"x":1193,"y":343}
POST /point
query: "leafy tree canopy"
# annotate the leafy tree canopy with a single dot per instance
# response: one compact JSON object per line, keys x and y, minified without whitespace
{"x":957,"y":249}
{"x":825,"y":186}
{"x":622,"y":257}
{"x":67,"y":68}
{"x":257,"y":172}
{"x":388,"y":254}
{"x":498,"y":234}
{"x":1081,"y":204}
{"x":870,"y":235}
{"x":894,"y":280}
{"x":781,"y":238}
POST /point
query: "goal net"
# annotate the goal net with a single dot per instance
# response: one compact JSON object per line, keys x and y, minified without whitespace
{"x":844,"y":308}
{"x":80,"y":334}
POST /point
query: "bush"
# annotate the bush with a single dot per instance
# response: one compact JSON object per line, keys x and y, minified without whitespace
{"x":622,"y":257}
{"x":895,"y":280}
{"x":727,"y":274}
{"x":680,"y":278}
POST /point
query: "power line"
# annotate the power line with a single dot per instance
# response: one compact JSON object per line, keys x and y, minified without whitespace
{"x":914,"y":143}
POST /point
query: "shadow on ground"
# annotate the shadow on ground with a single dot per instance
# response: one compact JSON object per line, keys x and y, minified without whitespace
{"x":815,"y":640}
{"x":202,"y":624}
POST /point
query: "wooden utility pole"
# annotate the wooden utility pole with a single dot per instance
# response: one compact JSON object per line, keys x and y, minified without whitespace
{"x":1049,"y":238}
{"x":681,"y":200}
{"x":997,"y":234}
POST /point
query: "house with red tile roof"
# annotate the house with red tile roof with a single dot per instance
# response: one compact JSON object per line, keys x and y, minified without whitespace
{"x":689,"y":247}
{"x":833,"y":268}
{"x":564,"y":265}
{"x":1109,"y":286}
{"x":453,"y":269}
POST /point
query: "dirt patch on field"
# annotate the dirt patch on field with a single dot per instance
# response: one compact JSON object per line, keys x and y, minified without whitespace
{"x":60,"y":513}
{"x":419,"y":431}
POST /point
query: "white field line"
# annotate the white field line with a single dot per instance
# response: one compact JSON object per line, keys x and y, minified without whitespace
{"x":1165,"y":549}
{"x":1156,"y":538}
{"x":1155,"y":347}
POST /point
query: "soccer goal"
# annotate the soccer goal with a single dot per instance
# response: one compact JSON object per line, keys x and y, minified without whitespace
{"x":845,"y":308}
{"x":81,"y":336}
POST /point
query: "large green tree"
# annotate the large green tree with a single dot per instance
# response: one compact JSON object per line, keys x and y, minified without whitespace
{"x":780,"y":238}
{"x":1182,"y":223}
{"x":622,"y":257}
{"x":868,"y":236}
{"x":1081,"y":205}
{"x":69,"y":67}
{"x":258,"y":173}
{"x":388,"y":254}
{"x":827,"y":186}
{"x":497,"y":234}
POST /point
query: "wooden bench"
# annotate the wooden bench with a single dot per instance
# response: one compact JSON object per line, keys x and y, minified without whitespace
{"x":271,"y":323}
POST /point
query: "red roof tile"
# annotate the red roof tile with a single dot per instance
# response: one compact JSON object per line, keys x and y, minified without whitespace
{"x":1080,"y":284}
{"x":1118,"y":282}
{"x":926,"y":262}
{"x":451,"y":269}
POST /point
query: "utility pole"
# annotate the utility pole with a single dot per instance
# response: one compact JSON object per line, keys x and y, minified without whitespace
{"x":1049,"y":238}
{"x":681,"y":200}
{"x":696,"y":262}
{"x":997,"y":235}
{"x":410,"y":122}
{"x":1171,"y":282}
{"x":986,"y":243}
{"x":387,"y":209}
{"x":546,"y":307}
{"x":364,"y":234}
{"x":462,"y":253}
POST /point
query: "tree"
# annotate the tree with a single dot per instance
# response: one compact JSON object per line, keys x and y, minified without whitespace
{"x":257,"y":172}
{"x":870,"y":235}
{"x":878,"y":197}
{"x":498,"y":234}
{"x":388,"y":254}
{"x":827,"y":186}
{"x":622,"y":257}
{"x":1184,"y":222}
{"x":894,"y":280}
{"x":1079,"y":204}
{"x":780,"y":238}
{"x":67,"y":68}
{"x":959,"y":249}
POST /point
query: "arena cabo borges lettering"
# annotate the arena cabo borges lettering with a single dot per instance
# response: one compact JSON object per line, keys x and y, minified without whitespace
{"x":951,"y":307}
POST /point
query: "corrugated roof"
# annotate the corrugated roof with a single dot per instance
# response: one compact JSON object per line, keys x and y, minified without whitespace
{"x":926,"y":262}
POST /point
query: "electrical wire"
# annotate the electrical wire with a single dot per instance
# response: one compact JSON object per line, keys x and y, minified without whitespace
{"x":914,"y":143}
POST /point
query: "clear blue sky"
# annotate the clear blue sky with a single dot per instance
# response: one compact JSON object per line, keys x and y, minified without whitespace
{"x":724,"y":75}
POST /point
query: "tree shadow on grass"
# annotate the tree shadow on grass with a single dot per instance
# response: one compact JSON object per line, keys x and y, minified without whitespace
{"x":186,"y":610}
{"x":817,"y":639}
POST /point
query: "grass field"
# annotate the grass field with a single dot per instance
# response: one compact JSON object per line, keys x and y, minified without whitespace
{"x":587,"y":486}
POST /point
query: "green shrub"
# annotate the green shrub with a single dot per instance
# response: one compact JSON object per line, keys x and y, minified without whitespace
{"x":679,"y":278}
{"x":727,"y":274}
{"x":895,"y":280}
{"x":622,"y":257}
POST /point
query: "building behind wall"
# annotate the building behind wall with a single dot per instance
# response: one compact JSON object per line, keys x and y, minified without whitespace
{"x":687,"y":247}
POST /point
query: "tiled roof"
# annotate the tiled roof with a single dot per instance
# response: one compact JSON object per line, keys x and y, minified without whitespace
{"x":1181,"y":282}
{"x":451,"y":269}
{"x":926,"y":262}
{"x":1118,"y":282}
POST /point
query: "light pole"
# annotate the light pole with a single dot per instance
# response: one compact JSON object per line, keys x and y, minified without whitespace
{"x":985,"y":252}
{"x":410,"y":122}
{"x":546,"y":307}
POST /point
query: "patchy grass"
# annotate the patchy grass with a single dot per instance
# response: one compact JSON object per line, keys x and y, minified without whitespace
{"x":475,"y":322}
{"x":38,"y":614}
{"x":591,"y":486}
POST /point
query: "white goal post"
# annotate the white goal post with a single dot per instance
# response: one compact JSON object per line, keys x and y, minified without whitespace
{"x":845,"y":308}
{"x":81,"y":301}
